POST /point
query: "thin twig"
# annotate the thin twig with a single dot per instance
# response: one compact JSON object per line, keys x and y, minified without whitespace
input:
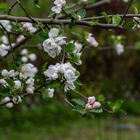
{"x":11,"y":7}
{"x":126,"y":11}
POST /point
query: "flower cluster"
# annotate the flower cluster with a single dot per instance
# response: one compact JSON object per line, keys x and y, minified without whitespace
{"x":29,"y":27}
{"x":66,"y":70}
{"x":10,"y":74}
{"x":58,"y":6}
{"x":26,"y":56}
{"x":11,"y":100}
{"x":27,"y":73}
{"x":92,"y":103}
{"x":52,"y":45}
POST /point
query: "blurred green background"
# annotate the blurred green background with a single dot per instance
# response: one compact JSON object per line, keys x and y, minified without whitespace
{"x":103,"y":72}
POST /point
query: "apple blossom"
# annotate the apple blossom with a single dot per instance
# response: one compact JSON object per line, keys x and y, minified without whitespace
{"x":4,"y":50}
{"x":29,"y":27}
{"x":52,"y":45}
{"x":92,"y":103}
{"x":6,"y":24}
{"x":58,"y":6}
{"x":91,"y":40}
{"x":28,"y":70}
{"x":17,"y":84}
{"x":119,"y":49}
{"x":50,"y":92}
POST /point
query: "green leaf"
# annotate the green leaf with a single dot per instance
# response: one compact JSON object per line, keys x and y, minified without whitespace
{"x":110,"y":104}
{"x":10,"y":82}
{"x":108,"y":19}
{"x":75,"y":58}
{"x":54,"y":84}
{"x":69,"y":5}
{"x":101,"y":98}
{"x":136,"y":11}
{"x":97,"y":110}
{"x":94,"y":22}
{"x":79,"y":109}
{"x":41,"y":36}
{"x":70,"y":48}
{"x":36,"y":3}
{"x":116,"y":19}
{"x":4,"y":92}
{"x":82,"y":13}
{"x":78,"y":35}
{"x":3,"y":7}
{"x":129,"y":25}
{"x":79,"y":102}
{"x":117,"y":106}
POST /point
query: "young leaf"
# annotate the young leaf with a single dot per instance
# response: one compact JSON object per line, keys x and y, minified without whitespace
{"x":36,"y":3}
{"x":116,"y":19}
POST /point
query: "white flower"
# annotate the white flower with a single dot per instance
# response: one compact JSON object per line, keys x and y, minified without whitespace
{"x":19,"y":99}
{"x":78,"y":47}
{"x":24,"y":59}
{"x":4,"y":39}
{"x":30,"y":89}
{"x":20,"y":38}
{"x":119,"y":49}
{"x":69,"y":85}
{"x":24,"y":52}
{"x":51,"y":72}
{"x":6,"y":24}
{"x":6,"y":99}
{"x":60,"y":2}
{"x":50,"y":92}
{"x":4,"y":72}
{"x":4,"y":50}
{"x":12,"y":73}
{"x":17,"y":84}
{"x":9,"y":105}
{"x":3,"y":82}
{"x":60,"y":40}
{"x":70,"y":75}
{"x":30,"y":81}
{"x":51,"y":48}
{"x":28,"y":26}
{"x":58,"y":6}
{"x":57,"y":9}
{"x":28,"y":70}
{"x":53,"y":33}
{"x":32,"y":57}
{"x":91,"y":40}
{"x":52,"y":45}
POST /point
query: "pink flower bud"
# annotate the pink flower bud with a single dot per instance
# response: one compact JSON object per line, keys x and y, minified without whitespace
{"x":63,"y":2}
{"x":89,"y":107}
{"x":91,"y":100}
{"x":96,"y":105}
